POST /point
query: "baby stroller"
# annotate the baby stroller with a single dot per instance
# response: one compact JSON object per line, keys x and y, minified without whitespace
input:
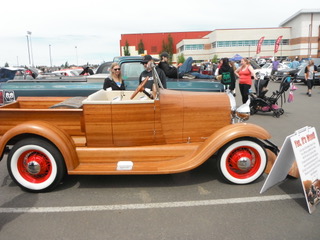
{"x":260,"y":102}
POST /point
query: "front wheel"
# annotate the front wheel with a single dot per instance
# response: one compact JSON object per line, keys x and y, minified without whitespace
{"x":242,"y":161}
{"x":36,"y":165}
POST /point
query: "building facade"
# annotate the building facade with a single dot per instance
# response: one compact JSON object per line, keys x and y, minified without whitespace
{"x":298,"y":36}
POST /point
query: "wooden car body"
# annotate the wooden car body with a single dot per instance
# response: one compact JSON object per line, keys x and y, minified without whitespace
{"x":109,"y":133}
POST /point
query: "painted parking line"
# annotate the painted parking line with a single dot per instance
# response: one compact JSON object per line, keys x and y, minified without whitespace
{"x":152,"y":205}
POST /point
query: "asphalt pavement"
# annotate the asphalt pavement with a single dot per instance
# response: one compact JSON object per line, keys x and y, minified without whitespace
{"x":194,"y":205}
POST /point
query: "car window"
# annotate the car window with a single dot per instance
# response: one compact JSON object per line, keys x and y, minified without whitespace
{"x":267,"y":65}
{"x":131,"y":71}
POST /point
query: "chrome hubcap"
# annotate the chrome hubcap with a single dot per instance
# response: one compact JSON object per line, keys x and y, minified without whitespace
{"x":33,"y":167}
{"x":244,"y":163}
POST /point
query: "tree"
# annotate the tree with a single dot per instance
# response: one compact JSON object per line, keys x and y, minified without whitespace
{"x":215,"y":59}
{"x":181,"y":58}
{"x":140,"y":47}
{"x":168,"y":47}
{"x":126,"y":51}
{"x":6,"y":64}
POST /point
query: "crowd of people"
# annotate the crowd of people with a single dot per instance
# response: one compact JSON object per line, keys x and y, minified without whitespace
{"x":228,"y":72}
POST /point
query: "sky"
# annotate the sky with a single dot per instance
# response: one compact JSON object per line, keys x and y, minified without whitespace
{"x":80,"y":32}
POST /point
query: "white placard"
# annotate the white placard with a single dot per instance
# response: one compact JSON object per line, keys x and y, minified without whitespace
{"x":302,"y":146}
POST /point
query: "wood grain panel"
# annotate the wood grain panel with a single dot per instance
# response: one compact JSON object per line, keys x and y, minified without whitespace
{"x":68,"y":120}
{"x":133,"y":124}
{"x":203,"y":114}
{"x":171,"y":106}
{"x":97,"y":118}
{"x":152,"y":153}
{"x":39,"y":102}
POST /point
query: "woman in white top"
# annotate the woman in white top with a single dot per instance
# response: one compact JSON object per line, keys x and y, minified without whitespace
{"x":309,"y":72}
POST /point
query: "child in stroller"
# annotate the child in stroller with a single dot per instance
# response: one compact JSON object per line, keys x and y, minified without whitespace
{"x":260,"y":102}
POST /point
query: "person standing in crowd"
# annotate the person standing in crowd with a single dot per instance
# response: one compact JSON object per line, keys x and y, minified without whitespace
{"x":275,"y":66}
{"x":294,"y":64}
{"x":227,"y":68}
{"x":114,"y":81}
{"x":147,"y":62}
{"x":245,"y":72}
{"x":309,"y":72}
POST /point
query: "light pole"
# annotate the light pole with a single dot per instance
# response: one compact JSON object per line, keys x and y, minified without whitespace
{"x":76,"y":54}
{"x":29,"y":33}
{"x":50,"y":55}
{"x":28,"y":49}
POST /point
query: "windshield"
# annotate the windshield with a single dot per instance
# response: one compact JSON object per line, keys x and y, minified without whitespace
{"x":131,"y":71}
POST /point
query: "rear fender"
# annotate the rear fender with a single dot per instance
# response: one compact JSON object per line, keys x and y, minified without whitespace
{"x":48,"y":131}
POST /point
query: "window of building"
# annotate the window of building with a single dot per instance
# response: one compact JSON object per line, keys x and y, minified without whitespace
{"x":243,"y":43}
{"x":193,"y":47}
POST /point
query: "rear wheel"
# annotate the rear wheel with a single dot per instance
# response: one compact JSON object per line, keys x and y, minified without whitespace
{"x":36,"y":165}
{"x":242,"y":161}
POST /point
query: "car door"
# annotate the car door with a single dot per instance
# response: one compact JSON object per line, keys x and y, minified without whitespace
{"x":133,"y":124}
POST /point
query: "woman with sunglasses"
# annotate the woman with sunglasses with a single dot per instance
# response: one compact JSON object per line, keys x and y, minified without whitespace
{"x":114,"y":81}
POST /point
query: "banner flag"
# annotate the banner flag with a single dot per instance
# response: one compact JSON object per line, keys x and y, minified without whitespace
{"x":259,"y":45}
{"x":277,"y":43}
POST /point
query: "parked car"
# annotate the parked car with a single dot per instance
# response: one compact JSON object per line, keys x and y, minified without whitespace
{"x":300,"y":77}
{"x":104,"y":68}
{"x":131,"y":68}
{"x":68,"y":72}
{"x":267,"y":68}
{"x":9,"y":73}
{"x":127,"y":133}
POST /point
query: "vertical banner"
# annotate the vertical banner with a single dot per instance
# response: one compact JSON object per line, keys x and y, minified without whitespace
{"x":277,"y":43}
{"x":259,"y":45}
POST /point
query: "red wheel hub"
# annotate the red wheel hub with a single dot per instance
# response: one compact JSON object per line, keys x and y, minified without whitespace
{"x":34,"y":166}
{"x":243,"y":162}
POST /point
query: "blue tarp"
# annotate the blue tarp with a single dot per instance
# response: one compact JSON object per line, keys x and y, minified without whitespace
{"x":236,"y":57}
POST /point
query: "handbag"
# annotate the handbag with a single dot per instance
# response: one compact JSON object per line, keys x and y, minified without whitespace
{"x":290,"y":97}
{"x":293,"y":87}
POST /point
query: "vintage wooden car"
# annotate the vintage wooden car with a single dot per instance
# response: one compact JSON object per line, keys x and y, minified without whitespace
{"x":125,"y":132}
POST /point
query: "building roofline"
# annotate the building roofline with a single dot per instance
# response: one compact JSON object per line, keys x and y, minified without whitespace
{"x":166,"y":32}
{"x":302,"y":11}
{"x":232,"y":29}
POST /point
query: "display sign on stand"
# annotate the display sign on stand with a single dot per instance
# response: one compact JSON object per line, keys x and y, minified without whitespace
{"x":302,"y":147}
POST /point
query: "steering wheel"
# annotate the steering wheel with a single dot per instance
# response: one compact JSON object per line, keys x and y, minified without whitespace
{"x":140,"y":88}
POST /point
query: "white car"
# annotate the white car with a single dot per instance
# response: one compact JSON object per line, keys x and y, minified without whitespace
{"x":67,"y":72}
{"x":267,"y":68}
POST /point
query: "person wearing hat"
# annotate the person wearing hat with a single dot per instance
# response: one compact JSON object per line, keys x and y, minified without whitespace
{"x":147,"y":63}
{"x":184,"y":71}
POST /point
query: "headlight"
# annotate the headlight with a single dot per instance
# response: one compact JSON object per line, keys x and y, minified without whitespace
{"x":243,"y":112}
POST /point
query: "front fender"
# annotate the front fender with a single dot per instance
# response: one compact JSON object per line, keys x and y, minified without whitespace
{"x":231,"y":132}
{"x":48,"y":131}
{"x":219,"y":139}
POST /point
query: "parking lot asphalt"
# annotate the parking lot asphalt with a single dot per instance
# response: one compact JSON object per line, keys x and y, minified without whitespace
{"x":194,"y":205}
